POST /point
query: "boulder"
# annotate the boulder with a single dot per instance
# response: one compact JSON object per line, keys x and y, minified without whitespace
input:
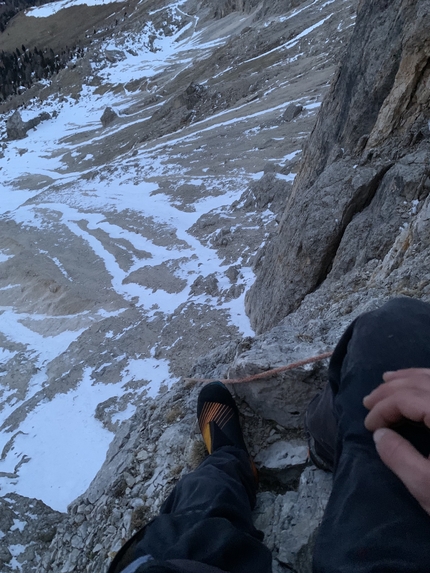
{"x":292,"y":111}
{"x":15,"y":127}
{"x":108,"y":117}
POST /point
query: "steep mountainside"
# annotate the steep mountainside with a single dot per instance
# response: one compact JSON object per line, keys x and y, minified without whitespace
{"x":354,"y":220}
{"x":134,"y":218}
{"x":139,"y":181}
{"x":352,"y":232}
{"x":138,"y":184}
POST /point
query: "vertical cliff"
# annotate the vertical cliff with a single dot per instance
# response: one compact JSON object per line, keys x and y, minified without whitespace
{"x":364,"y":169}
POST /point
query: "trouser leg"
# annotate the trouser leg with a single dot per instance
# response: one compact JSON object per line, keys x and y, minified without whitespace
{"x":207,"y":518}
{"x":321,"y":428}
{"x":372,"y":523}
{"x":223,"y":484}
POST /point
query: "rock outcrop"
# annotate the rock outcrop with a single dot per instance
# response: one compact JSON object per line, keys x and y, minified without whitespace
{"x":108,"y":116}
{"x":27,"y":527}
{"x":16,"y":128}
{"x":364,"y":172}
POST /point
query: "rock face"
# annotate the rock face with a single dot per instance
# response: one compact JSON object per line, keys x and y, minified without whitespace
{"x":27,"y":528}
{"x":364,"y":172}
{"x":290,"y":521}
{"x":16,"y":128}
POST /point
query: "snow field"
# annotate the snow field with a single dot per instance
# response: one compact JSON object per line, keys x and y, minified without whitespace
{"x":59,"y":446}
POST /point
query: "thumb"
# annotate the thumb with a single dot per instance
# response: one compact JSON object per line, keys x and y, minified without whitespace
{"x":406,"y":462}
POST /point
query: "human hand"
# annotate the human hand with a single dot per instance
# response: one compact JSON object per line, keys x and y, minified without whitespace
{"x":405,"y":394}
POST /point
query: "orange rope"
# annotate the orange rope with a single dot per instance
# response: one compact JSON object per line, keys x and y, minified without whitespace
{"x":267,"y":373}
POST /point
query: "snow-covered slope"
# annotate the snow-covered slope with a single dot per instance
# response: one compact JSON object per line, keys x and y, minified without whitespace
{"x":126,"y":249}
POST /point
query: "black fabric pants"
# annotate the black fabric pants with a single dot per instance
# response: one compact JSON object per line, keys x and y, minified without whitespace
{"x":207,"y":518}
{"x":372,"y":524}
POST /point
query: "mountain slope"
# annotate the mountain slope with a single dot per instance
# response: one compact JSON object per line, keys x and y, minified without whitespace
{"x":127,"y":243}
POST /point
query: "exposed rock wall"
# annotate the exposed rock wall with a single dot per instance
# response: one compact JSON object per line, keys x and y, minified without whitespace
{"x":364,"y":171}
{"x":225,"y":7}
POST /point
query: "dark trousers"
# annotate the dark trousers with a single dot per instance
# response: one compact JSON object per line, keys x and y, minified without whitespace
{"x":207,"y":518}
{"x":372,"y":523}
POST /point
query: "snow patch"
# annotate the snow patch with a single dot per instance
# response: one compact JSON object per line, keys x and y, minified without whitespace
{"x":67,"y":445}
{"x":54,"y":7}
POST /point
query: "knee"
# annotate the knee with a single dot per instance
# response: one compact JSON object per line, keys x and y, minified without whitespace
{"x":403,"y":305}
{"x":399,"y":310}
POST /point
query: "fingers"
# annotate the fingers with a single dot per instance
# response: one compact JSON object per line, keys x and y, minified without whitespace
{"x":405,"y":373}
{"x":405,"y":394}
{"x":399,"y":405}
{"x":417,"y":378}
{"x":403,"y":459}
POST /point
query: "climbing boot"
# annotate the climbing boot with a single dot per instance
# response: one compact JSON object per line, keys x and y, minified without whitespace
{"x":218,"y":419}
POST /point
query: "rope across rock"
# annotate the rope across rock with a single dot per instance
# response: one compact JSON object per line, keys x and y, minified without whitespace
{"x":267,"y":373}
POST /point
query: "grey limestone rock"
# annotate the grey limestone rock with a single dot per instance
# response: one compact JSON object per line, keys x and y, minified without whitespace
{"x":27,"y":528}
{"x":108,"y":117}
{"x":223,"y":237}
{"x":312,"y":226}
{"x":158,"y":445}
{"x":364,"y":164}
{"x":374,"y":230}
{"x":304,"y":517}
{"x":114,"y":56}
{"x":216,"y":363}
{"x":292,"y":111}
{"x":34,"y":122}
{"x":193,"y":94}
{"x":233,"y":273}
{"x":284,"y":460}
{"x":271,"y":191}
{"x":205,"y":285}
{"x":290,"y":521}
{"x":284,"y":397}
{"x":15,"y":127}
